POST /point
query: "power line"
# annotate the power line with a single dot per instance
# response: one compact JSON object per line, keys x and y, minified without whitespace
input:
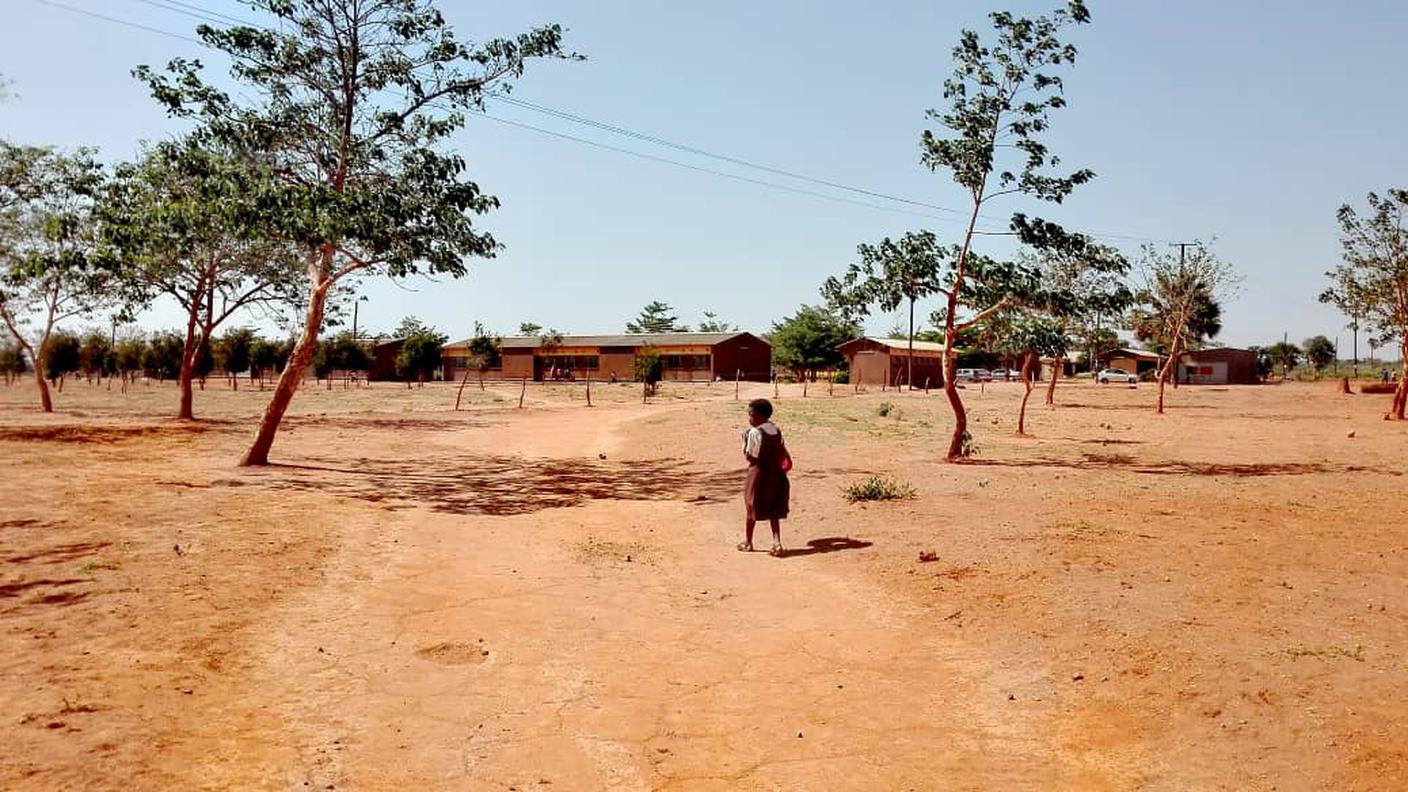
{"x":205,"y":14}
{"x":117,"y":21}
{"x":711,"y":171}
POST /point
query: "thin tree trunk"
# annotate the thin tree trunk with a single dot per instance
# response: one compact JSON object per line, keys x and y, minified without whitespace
{"x":463,"y":381}
{"x":960,"y":414}
{"x":45,"y":400}
{"x":909,"y":376}
{"x":289,"y":378}
{"x":1027,"y":361}
{"x":1056,"y":365}
{"x":1400,"y":395}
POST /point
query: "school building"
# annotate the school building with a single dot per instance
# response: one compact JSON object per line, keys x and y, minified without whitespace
{"x":876,"y":361}
{"x":1133,"y":361}
{"x":684,"y":357}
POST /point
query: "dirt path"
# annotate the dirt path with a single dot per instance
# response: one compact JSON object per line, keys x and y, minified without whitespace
{"x":614,"y":645}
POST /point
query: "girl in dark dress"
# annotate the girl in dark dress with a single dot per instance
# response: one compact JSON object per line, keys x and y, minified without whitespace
{"x":766,"y":490}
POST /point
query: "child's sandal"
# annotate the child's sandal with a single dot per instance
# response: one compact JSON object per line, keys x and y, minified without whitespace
{"x":744,"y":547}
{"x":776,"y":551}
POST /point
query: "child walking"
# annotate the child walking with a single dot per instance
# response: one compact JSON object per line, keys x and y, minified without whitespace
{"x":766,"y":490}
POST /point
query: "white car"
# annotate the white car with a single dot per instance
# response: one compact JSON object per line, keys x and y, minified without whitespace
{"x":1006,"y":375}
{"x":1116,"y":375}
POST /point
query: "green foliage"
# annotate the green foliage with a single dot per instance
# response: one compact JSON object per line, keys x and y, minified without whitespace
{"x":648,"y":367}
{"x":886,"y":409}
{"x":484,"y":349}
{"x":50,"y":267}
{"x":1179,"y":306}
{"x":657,"y":317}
{"x":1371,"y":283}
{"x":889,"y":274}
{"x":1319,"y":352}
{"x":95,"y":354}
{"x":343,"y":352}
{"x":61,"y":355}
{"x":878,"y":488}
{"x":529,"y":329}
{"x":420,"y":355}
{"x":162,"y":357}
{"x":1285,"y":355}
{"x":263,"y":355}
{"x":127,"y":355}
{"x":232,"y":350}
{"x":713,"y":324}
{"x":807,"y":341}
{"x":12,"y":361}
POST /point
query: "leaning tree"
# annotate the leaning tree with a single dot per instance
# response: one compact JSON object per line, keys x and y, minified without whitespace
{"x":354,"y":101}
{"x":1373,"y":276}
{"x":889,"y":274}
{"x":1000,"y":97}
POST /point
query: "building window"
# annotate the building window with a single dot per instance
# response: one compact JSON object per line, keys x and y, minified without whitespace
{"x":686,"y":362}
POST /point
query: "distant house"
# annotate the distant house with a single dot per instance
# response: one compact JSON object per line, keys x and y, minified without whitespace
{"x":886,"y":360}
{"x":1218,"y":367}
{"x":690,"y":357}
{"x":1132,"y":360}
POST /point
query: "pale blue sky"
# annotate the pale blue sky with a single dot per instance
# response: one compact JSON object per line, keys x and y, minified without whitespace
{"x":1246,"y":121}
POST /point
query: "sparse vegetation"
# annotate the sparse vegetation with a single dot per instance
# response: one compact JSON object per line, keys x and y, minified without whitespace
{"x":878,"y":488}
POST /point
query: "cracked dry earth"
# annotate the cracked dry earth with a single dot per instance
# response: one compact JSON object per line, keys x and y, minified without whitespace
{"x":549,"y":598}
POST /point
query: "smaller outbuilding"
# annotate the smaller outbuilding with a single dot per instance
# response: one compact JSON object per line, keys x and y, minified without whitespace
{"x":875,"y":361}
{"x":1133,"y":361}
{"x":1218,"y":367}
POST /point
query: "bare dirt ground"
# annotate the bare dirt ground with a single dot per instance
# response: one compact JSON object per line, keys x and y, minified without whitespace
{"x":549,"y":598}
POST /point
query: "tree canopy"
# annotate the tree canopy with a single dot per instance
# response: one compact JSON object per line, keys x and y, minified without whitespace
{"x":807,"y":341}
{"x":1319,"y":352}
{"x":657,"y":317}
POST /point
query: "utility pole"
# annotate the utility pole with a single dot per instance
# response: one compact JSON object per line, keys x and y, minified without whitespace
{"x":1183,"y":250}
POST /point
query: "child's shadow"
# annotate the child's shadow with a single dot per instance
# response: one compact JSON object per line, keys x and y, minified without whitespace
{"x":829,"y":544}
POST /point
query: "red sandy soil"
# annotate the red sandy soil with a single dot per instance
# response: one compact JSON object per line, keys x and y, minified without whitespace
{"x":549,"y":598}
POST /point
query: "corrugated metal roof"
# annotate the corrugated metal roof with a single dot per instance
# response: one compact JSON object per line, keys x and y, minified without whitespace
{"x":623,"y":340}
{"x":902,"y":344}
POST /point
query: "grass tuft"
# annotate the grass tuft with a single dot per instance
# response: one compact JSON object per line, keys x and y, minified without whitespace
{"x":878,"y":488}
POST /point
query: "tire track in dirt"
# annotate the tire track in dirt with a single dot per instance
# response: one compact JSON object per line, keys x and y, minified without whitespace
{"x":621,"y":645}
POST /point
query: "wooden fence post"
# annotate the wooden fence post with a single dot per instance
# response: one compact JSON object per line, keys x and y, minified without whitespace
{"x":589,"y":390}
{"x":524,"y":392}
{"x":737,"y":378}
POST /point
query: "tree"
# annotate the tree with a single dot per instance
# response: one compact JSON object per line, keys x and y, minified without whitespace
{"x":1180,"y":304}
{"x":1285,"y":355}
{"x":127,"y":357}
{"x":1030,"y":337}
{"x":164,"y":355}
{"x":529,"y":329}
{"x":1099,"y":342}
{"x":95,"y":355}
{"x":649,"y":369}
{"x":484,"y":351}
{"x":185,"y":221}
{"x":1319,"y":352}
{"x":262,"y":356}
{"x":1000,"y":98}
{"x":1373,"y":276}
{"x":713,"y":324}
{"x":1080,"y":286}
{"x":420,"y":355}
{"x":1264,"y":364}
{"x":409,"y":326}
{"x":12,"y":363}
{"x":657,"y":317}
{"x":50,"y":269}
{"x":353,"y":101}
{"x":232,"y":352}
{"x":808,"y":341}
{"x":889,"y":274}
{"x":61,"y":357}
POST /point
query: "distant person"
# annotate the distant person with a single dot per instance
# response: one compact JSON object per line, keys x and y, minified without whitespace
{"x":766,"y":490}
{"x":1383,"y":376}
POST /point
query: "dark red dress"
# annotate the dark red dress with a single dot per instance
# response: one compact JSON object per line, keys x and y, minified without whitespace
{"x":766,"y":491}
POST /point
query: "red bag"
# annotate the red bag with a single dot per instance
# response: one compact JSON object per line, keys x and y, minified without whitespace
{"x":786,"y":462}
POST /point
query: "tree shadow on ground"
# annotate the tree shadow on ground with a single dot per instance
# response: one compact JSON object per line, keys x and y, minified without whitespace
{"x":828,"y":544}
{"x":1089,"y":461}
{"x":504,"y":485}
{"x":104,"y":435}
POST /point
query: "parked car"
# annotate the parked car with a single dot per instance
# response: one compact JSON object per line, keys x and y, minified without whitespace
{"x":1006,"y":375}
{"x":1115,"y":375}
{"x":966,"y":375}
{"x":983,"y":375}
